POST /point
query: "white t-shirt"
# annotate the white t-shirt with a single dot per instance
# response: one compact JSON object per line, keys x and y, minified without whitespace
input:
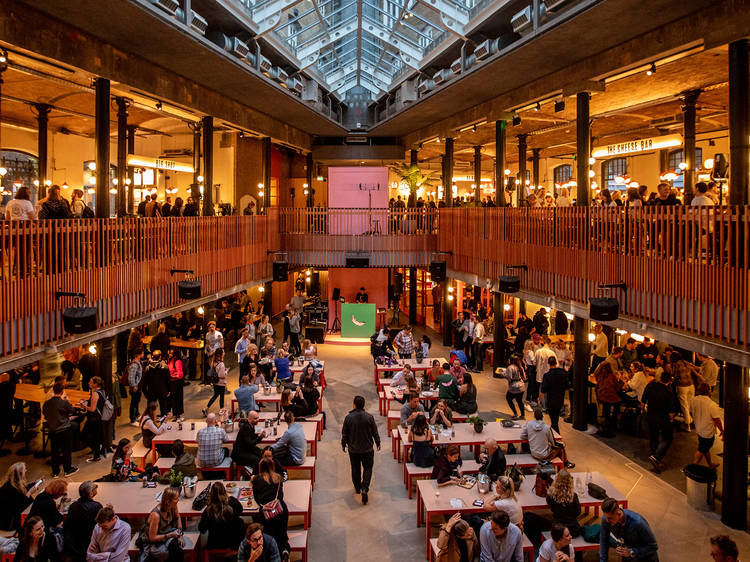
{"x":512,"y":508}
{"x":702,"y":201}
{"x":479,"y":332}
{"x":562,"y":201}
{"x":20,"y":210}
{"x":704,"y":410}
{"x":638,"y":384}
{"x":548,"y":550}
{"x":542,"y":361}
{"x":709,"y":372}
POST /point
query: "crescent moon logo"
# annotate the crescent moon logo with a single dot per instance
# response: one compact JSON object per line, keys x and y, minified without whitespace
{"x":357,"y":322}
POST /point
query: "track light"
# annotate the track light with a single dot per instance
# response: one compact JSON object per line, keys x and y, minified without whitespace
{"x":538,"y":106}
{"x":3,"y":56}
{"x":158,"y":106}
{"x":516,"y":120}
{"x":651,"y":69}
{"x":559,"y":106}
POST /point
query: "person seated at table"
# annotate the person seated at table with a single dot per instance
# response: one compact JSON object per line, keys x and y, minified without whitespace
{"x":80,"y":521}
{"x":267,"y":354}
{"x":447,"y":386}
{"x":309,"y":394}
{"x":184,"y":462}
{"x":15,"y":496}
{"x":500,"y":540}
{"x":164,"y":527}
{"x":424,"y":345}
{"x":506,"y":501}
{"x":149,"y":429}
{"x":221,"y":519}
{"x":309,"y":350}
{"x":210,"y":440}
{"x":399,"y":379}
{"x":467,"y":397}
{"x":309,"y":371}
{"x":637,"y":382}
{"x":257,"y":545}
{"x":420,"y":435}
{"x":245,"y":395}
{"x":457,"y":370}
{"x":557,"y":548}
{"x":267,"y":486}
{"x":564,"y":505}
{"x":36,"y":544}
{"x":268,"y":454}
{"x":447,"y":468}
{"x":541,"y":440}
{"x":282,"y":366}
{"x":291,"y":448}
{"x":123,"y":469}
{"x":256,"y":376}
{"x":457,"y":541}
{"x":637,"y":541}
{"x":435,"y":371}
{"x":47,"y":503}
{"x":441,"y":414}
{"x":410,"y":409}
{"x":251,"y":358}
{"x":110,"y":538}
{"x":493,"y":460}
{"x":246,"y":451}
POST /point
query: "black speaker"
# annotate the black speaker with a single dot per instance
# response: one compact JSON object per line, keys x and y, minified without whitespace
{"x":280,"y":271}
{"x":398,"y":281}
{"x":189,"y":289}
{"x":509,"y":283}
{"x":604,"y":309}
{"x":336,"y":295}
{"x":80,"y":319}
{"x":316,"y":333}
{"x":358,"y":262}
{"x":437,"y":271}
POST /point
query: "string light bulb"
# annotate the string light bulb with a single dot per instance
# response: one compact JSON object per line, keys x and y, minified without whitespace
{"x":651,"y":69}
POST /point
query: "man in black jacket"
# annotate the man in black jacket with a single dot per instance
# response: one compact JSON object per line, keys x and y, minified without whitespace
{"x":58,"y":413}
{"x":554,"y":385}
{"x":156,"y":382}
{"x":493,"y":460}
{"x":80,"y":522}
{"x":359,"y":433}
{"x":245,"y":451}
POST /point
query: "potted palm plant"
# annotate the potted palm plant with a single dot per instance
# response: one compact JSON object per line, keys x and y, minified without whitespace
{"x":478,"y":423}
{"x":411,"y":176}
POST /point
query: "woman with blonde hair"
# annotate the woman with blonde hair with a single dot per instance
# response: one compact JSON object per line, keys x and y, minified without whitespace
{"x":15,"y":496}
{"x":506,"y":501}
{"x":165,"y":525}
{"x":564,"y":505}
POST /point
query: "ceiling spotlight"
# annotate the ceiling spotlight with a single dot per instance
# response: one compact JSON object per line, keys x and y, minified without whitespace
{"x":516,"y":120}
{"x":538,"y":106}
{"x":651,"y":69}
{"x":3,"y":56}
{"x":158,"y":106}
{"x":559,"y":106}
{"x":711,"y":142}
{"x":474,"y":129}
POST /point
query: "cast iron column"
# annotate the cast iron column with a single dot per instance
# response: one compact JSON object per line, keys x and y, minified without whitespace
{"x":195,"y":190}
{"x":208,"y":166}
{"x":498,"y":357}
{"x":447,"y":316}
{"x":102,"y":154}
{"x":535,"y":167}
{"x":310,"y":201}
{"x":412,"y":295}
{"x":583,"y":148}
{"x":478,"y":175}
{"x":688,"y":125}
{"x":122,"y":154}
{"x":521,"y":185}
{"x":268,"y":299}
{"x":739,"y":123}
{"x":448,"y":175}
{"x":734,"y":492}
{"x":266,"y":172}
{"x":500,"y":158}
{"x":131,"y":187}
{"x":42,"y":119}
{"x":414,"y":157}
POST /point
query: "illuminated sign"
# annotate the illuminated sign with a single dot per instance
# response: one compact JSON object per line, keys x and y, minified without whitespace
{"x":633,"y":147}
{"x":159,"y":164}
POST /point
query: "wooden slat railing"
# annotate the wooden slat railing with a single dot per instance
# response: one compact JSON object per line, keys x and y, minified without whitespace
{"x":325,"y":237}
{"x":122,"y":266}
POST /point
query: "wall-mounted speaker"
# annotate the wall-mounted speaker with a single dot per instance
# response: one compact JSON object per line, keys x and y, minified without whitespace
{"x":189,"y":289}
{"x":509,"y":283}
{"x":336,"y":295}
{"x":437,"y":271}
{"x":358,"y":261}
{"x":604,"y":309}
{"x":280,"y":271}
{"x":80,"y":319}
{"x":398,"y":281}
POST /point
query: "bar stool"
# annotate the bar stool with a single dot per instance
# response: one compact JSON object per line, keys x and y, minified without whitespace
{"x":382,"y":317}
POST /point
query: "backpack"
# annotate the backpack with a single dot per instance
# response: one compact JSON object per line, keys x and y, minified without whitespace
{"x":107,"y":408}
{"x":212,"y":376}
{"x":87,"y":212}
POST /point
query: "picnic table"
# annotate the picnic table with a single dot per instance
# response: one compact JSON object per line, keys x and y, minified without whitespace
{"x":391,"y":393}
{"x":274,"y":397}
{"x":425,"y":365}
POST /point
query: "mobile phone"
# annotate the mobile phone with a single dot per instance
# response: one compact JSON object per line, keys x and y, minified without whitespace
{"x":38,"y":482}
{"x":478,"y":503}
{"x":150,"y":484}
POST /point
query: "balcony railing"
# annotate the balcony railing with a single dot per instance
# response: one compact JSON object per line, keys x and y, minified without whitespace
{"x":685,"y":268}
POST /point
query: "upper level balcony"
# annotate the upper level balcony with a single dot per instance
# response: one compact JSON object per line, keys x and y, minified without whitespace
{"x":685,"y":269}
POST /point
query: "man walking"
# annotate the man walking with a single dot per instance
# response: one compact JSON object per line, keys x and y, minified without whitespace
{"x":659,"y":402}
{"x":295,"y":327}
{"x":58,"y":413}
{"x":554,"y":385}
{"x":359,"y":433}
{"x":404,"y":342}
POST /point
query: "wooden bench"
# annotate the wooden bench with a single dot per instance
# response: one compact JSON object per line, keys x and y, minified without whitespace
{"x":525,"y":460}
{"x":413,"y":473}
{"x":394,"y":418}
{"x":141,"y":454}
{"x":396,"y":444}
{"x":304,"y":471}
{"x":298,"y":543}
{"x":317,"y":418}
{"x":191,"y":544}
{"x":526,"y":545}
{"x":579,"y":545}
{"x":224,"y":467}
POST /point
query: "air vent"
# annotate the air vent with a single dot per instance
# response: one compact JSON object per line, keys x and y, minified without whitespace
{"x":485,"y":49}
{"x":277,"y":73}
{"x":219,"y":39}
{"x":357,"y":139}
{"x":265,"y":65}
{"x":553,"y":4}
{"x":294,"y":84}
{"x":456,"y":66}
{"x":662,"y":122}
{"x":170,"y":6}
{"x":239,"y":48}
{"x":522,"y":20}
{"x":425,"y":86}
{"x":198,"y":23}
{"x":408,"y":91}
{"x":442,"y":76}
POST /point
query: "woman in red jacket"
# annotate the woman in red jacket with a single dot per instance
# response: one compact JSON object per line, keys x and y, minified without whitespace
{"x":608,"y":386}
{"x":176,"y":376}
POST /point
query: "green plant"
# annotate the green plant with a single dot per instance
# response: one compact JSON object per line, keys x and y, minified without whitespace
{"x":175,"y":478}
{"x":412,"y":176}
{"x":475,"y":420}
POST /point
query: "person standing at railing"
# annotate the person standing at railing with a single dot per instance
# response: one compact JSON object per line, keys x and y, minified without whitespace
{"x":54,"y":206}
{"x":21,"y":209}
{"x":191,"y":208}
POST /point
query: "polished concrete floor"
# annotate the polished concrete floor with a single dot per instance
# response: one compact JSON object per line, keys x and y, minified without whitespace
{"x":385,"y":529}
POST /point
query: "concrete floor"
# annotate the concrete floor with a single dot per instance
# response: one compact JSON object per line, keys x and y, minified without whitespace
{"x":385,"y":529}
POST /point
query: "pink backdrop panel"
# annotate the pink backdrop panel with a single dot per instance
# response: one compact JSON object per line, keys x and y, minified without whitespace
{"x":357,"y":188}
{"x":349,"y":280}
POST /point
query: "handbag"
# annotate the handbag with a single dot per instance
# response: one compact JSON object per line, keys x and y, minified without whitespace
{"x":515,"y":474}
{"x":273,"y":509}
{"x":201,"y":499}
{"x":597,"y":492}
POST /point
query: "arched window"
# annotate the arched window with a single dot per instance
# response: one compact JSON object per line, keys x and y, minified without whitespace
{"x":674,"y":158}
{"x":562,"y":174}
{"x":613,"y":168}
{"x":22,"y":168}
